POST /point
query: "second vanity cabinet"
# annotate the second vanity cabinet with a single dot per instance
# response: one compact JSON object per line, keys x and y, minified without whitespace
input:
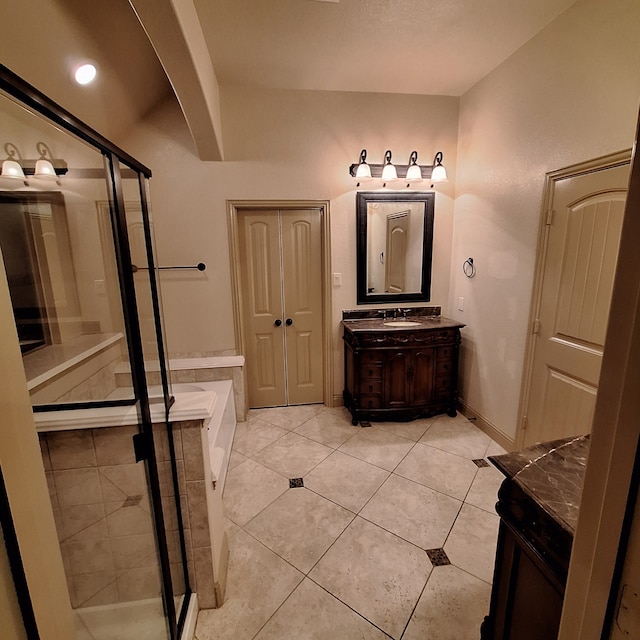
{"x":400,"y":372}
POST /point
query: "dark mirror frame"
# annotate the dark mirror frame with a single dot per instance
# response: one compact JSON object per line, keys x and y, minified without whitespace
{"x":362,"y":200}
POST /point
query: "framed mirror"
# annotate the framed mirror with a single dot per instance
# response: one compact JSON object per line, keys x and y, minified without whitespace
{"x":395,"y":246}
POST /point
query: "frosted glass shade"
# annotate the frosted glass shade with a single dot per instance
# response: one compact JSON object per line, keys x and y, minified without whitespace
{"x":44,"y":169}
{"x":389,"y":172}
{"x":439,"y":174}
{"x":363,"y":172}
{"x":12,"y":169}
{"x":414,"y":173}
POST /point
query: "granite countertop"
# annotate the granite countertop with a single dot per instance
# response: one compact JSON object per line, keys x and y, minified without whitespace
{"x":551,"y":474}
{"x":379,"y":319}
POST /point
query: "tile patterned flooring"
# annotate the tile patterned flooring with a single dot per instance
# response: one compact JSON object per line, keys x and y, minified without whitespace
{"x":344,"y":532}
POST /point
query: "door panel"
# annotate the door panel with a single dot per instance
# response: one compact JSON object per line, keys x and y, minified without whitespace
{"x":577,"y":279}
{"x":568,"y":403}
{"x":260,"y":255}
{"x":281,"y":279}
{"x":396,"y":260}
{"x":302,"y":284}
{"x":592,"y":237}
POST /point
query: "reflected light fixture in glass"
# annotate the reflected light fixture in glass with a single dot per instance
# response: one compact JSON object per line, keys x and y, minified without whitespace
{"x":11,"y":167}
{"x":44,"y":167}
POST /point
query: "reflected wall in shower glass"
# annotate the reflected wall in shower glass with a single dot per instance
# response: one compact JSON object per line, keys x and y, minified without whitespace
{"x":58,"y":250}
{"x":141,"y":258}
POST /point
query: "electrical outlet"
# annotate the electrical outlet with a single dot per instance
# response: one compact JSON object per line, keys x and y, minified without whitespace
{"x":461,"y":304}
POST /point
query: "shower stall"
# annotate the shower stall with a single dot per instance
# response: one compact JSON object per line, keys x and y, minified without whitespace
{"x":76,"y":240}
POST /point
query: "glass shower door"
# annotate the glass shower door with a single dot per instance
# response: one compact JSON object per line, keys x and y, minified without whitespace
{"x":92,"y":352}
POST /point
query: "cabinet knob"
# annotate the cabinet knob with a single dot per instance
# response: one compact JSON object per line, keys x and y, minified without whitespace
{"x":278,"y":322}
{"x":288,"y":322}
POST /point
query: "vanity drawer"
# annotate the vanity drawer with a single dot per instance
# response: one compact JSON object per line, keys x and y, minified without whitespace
{"x":443,"y":366}
{"x":371,"y":386}
{"x":371,"y":357}
{"x":370,"y":402}
{"x":443,"y":386}
{"x":371,"y":370}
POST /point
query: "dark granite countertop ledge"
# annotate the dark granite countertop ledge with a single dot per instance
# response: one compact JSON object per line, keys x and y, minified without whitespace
{"x":378,"y":319}
{"x":551,"y":474}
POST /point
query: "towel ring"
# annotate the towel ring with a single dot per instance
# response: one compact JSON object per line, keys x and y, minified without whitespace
{"x":468,"y":268}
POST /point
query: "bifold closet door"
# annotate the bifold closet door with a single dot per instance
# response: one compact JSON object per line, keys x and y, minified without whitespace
{"x":281,"y":277}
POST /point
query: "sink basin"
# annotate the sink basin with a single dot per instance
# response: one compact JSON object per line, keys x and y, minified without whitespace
{"x":401,"y":323}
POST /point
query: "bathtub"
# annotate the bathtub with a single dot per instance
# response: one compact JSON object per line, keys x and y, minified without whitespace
{"x":220,"y":428}
{"x":209,"y":402}
{"x":212,"y":402}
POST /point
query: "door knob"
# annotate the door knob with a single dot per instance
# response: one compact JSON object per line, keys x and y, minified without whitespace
{"x":278,"y":322}
{"x":289,"y":322}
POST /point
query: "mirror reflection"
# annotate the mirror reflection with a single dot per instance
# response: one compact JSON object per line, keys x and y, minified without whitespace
{"x":395,"y":237}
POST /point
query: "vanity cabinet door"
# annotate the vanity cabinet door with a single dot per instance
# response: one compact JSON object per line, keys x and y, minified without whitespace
{"x":408,"y":377}
{"x":396,"y":379}
{"x":421,"y":376}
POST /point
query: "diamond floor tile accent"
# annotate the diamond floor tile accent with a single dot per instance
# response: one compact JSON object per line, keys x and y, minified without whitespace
{"x":480,"y":462}
{"x":438,"y":557}
{"x":296,"y":483}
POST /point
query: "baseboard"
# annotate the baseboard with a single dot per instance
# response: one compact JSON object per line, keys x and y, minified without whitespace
{"x":488,"y":427}
{"x":338,"y":401}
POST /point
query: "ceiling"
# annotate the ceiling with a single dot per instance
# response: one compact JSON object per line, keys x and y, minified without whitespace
{"x":428,"y":47}
{"x":435,"y":47}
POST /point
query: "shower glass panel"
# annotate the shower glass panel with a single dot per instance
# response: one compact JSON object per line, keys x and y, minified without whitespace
{"x":58,"y":250}
{"x":144,"y":266}
{"x":89,"y":328}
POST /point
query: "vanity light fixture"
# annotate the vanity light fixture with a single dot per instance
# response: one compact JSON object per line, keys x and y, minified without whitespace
{"x":11,"y":168}
{"x":363,"y":170}
{"x":46,"y":166}
{"x":389,"y":170}
{"x":438,"y":173}
{"x":413,"y":172}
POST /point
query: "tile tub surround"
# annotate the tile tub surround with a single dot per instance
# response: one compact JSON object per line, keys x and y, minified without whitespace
{"x":100,"y":500}
{"x":190,"y":368}
{"x":343,"y":553}
{"x":102,"y":512}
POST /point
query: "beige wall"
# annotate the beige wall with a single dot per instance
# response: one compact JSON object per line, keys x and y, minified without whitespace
{"x":27,"y":486}
{"x":280,"y":145}
{"x":570,"y":94}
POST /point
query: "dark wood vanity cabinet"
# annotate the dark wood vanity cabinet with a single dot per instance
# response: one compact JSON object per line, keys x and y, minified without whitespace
{"x":538,"y":507}
{"x":400,"y":374}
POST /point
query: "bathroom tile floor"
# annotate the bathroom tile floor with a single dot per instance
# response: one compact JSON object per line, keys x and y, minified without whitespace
{"x":341,"y":532}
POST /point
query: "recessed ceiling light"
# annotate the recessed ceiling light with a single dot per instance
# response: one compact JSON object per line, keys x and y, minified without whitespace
{"x":85,"y":73}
